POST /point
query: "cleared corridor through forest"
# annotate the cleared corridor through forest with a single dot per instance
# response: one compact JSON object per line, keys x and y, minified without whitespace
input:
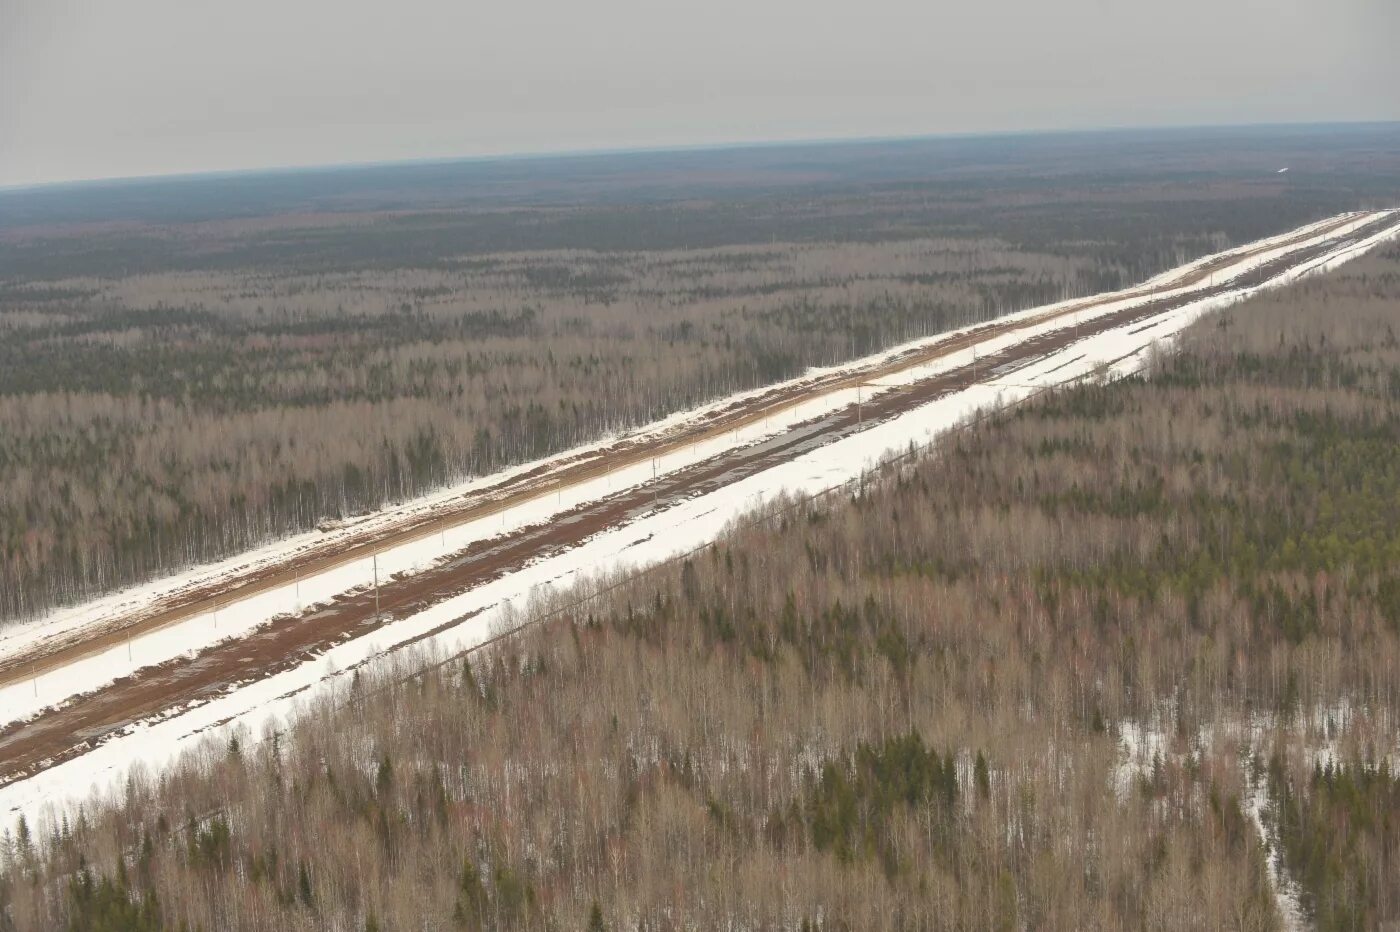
{"x":720,"y":446}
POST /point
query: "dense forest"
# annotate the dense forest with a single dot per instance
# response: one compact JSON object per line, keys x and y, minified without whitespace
{"x":191,"y":367}
{"x":1122,"y":658}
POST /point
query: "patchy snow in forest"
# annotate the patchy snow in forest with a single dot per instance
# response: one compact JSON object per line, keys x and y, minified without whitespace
{"x":1144,"y":747}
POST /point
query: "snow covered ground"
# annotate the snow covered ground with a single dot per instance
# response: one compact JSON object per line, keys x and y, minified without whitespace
{"x":471,"y":617}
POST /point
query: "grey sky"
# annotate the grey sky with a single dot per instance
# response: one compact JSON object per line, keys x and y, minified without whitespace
{"x":131,"y":87}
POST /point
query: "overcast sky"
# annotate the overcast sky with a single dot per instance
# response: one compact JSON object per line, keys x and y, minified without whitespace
{"x":107,"y":88}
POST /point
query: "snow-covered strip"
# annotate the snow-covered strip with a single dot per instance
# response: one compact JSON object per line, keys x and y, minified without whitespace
{"x":1266,"y":256}
{"x":1337,"y":258}
{"x":21,"y":700}
{"x":1200,"y":263}
{"x":471,"y":617}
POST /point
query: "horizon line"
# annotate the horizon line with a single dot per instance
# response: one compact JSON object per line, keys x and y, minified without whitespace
{"x":732,"y":144}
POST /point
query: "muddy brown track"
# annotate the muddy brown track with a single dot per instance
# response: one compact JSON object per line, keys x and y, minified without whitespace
{"x":72,"y":729}
{"x":62,"y":649}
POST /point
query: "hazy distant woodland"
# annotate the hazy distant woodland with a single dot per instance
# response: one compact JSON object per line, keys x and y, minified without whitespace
{"x":191,"y":366}
{"x":910,"y":705}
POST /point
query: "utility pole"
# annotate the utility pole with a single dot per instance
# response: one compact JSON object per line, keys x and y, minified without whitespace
{"x":375,"y":558}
